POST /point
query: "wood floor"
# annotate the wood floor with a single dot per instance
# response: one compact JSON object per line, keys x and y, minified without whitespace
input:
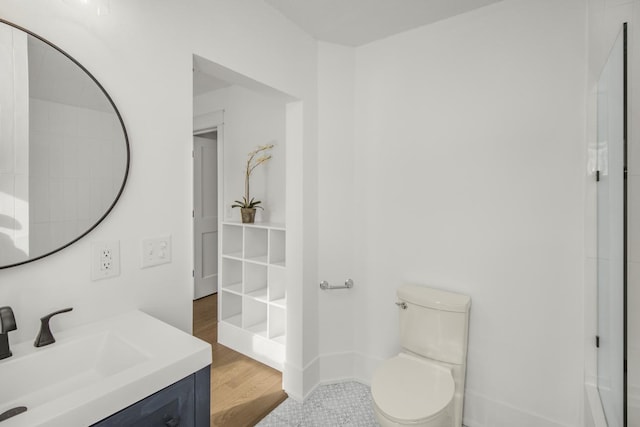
{"x":243,"y":391}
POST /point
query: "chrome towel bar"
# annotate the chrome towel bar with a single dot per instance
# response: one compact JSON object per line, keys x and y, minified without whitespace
{"x":325,"y":286}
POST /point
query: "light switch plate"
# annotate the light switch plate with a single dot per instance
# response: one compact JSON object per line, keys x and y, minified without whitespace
{"x":156,"y":251}
{"x":105,"y":259}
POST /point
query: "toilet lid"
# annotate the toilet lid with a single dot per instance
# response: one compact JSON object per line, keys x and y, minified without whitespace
{"x":409,"y":389}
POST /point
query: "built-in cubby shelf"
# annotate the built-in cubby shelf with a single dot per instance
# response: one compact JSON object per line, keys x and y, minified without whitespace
{"x":252,"y":300}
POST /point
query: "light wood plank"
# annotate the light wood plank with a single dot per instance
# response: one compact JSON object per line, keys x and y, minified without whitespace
{"x":243,"y":391}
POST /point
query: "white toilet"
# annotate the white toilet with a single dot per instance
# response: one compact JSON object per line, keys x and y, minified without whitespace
{"x":423,"y":386}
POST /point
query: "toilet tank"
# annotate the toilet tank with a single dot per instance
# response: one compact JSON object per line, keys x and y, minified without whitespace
{"x":435,"y":323}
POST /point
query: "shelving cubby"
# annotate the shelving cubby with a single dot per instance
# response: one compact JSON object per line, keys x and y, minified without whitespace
{"x":255,"y":244}
{"x":232,"y":278}
{"x":277,"y":323}
{"x":232,"y":243}
{"x":277,"y":289}
{"x":255,"y":316}
{"x":255,"y":281}
{"x":231,"y":310}
{"x":277,"y":247}
{"x":253,"y":300}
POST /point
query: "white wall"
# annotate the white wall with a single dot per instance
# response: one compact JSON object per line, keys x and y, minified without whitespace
{"x":336,"y":209}
{"x":469,"y":173}
{"x":141,"y":52}
{"x":250,"y":119}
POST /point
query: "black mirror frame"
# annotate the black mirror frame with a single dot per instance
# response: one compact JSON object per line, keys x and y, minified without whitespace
{"x":126,"y":140}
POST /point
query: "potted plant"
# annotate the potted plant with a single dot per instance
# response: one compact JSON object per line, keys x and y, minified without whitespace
{"x":248,"y":205}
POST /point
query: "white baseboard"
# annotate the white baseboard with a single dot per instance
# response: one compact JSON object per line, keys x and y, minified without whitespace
{"x":336,"y":367}
{"x":484,"y":411}
{"x":331,"y":368}
{"x":480,"y":410}
{"x":298,"y":382}
{"x":347,"y":366}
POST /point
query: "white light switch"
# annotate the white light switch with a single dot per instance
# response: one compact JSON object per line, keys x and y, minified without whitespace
{"x":156,"y":251}
{"x":105,"y":259}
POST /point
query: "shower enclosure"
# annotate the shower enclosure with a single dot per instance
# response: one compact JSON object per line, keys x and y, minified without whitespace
{"x":612,"y":232}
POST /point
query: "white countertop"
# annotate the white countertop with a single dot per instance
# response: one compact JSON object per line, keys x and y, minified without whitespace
{"x":143,"y":356}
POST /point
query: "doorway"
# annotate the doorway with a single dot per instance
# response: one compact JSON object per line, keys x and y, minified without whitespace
{"x":232,"y":119}
{"x":205,"y":213}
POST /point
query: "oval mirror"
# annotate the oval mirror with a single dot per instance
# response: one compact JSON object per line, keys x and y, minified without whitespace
{"x":64,"y":151}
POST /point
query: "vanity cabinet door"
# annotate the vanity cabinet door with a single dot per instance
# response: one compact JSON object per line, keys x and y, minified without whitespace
{"x":182,"y":404}
{"x":172,"y":407}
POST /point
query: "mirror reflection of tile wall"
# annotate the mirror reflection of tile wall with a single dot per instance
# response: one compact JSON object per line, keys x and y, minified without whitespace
{"x":73,"y":156}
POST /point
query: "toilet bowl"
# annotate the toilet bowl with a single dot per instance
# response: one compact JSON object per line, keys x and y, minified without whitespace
{"x":407,"y":390}
{"x":423,"y":386}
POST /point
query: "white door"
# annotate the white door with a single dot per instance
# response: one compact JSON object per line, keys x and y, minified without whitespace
{"x":205,"y":214}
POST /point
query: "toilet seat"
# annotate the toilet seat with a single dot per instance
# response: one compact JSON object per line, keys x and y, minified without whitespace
{"x":407,"y":389}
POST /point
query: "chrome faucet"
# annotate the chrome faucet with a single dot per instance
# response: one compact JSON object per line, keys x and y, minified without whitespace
{"x":45,"y":337}
{"x":7,"y":324}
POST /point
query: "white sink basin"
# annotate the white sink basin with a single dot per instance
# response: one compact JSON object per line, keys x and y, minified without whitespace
{"x":95,"y":370}
{"x":64,"y":367}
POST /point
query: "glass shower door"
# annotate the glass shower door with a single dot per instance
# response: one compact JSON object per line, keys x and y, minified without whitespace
{"x":611,"y":154}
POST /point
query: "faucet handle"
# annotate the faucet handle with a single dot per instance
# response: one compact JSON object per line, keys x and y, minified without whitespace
{"x":45,"y":337}
{"x":7,"y":323}
{"x":7,"y":320}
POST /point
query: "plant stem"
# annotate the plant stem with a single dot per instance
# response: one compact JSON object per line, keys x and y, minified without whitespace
{"x":251,"y":167}
{"x":246,"y":183}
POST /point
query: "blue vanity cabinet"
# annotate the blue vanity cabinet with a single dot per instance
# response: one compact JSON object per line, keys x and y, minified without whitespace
{"x":182,"y":404}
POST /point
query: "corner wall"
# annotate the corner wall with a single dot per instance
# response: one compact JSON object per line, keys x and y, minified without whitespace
{"x":469,"y":136}
{"x":337,"y":210}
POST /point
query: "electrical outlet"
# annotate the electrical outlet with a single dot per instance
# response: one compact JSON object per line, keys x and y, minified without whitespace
{"x":105,"y":259}
{"x":156,"y":251}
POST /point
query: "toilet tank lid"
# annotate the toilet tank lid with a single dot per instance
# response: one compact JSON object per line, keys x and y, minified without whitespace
{"x":434,"y":298}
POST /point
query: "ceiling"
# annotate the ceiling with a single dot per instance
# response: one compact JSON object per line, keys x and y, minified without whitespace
{"x":204,"y":82}
{"x":349,"y":23}
{"x":358,"y":22}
